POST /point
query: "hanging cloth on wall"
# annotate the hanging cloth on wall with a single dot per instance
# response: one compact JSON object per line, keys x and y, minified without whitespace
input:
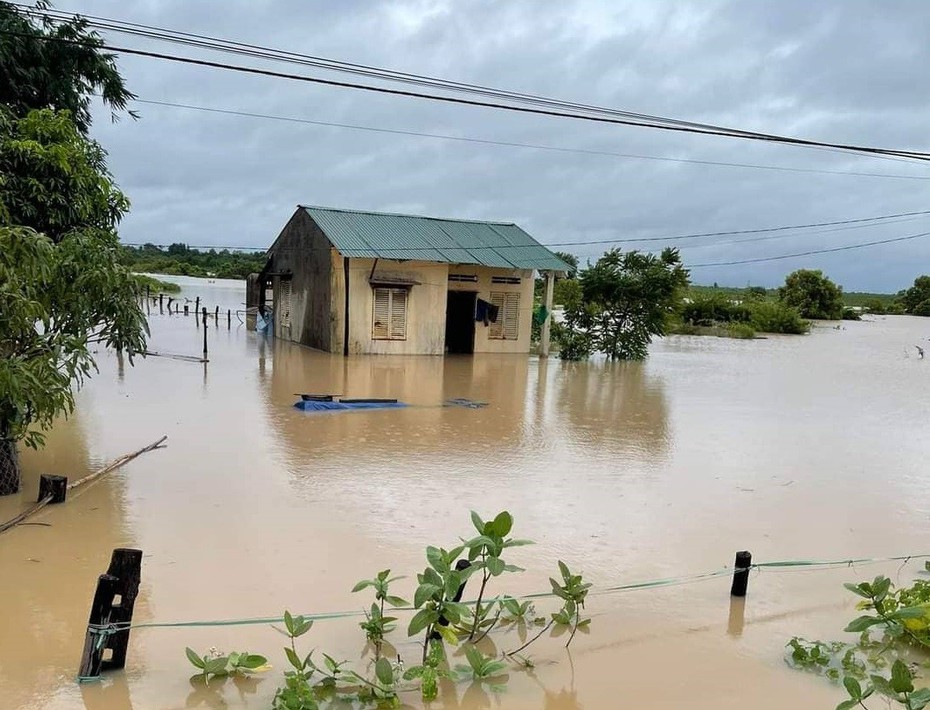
{"x":486,"y":312}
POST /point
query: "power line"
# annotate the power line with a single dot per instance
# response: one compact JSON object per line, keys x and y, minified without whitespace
{"x":230,"y":46}
{"x":513,"y":144}
{"x":847,"y":247}
{"x":844,"y":225}
{"x":483,"y":104}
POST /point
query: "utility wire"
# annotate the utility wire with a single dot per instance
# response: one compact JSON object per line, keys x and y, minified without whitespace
{"x":484,"y":104}
{"x":847,"y":247}
{"x":220,"y":44}
{"x":861,"y":221}
{"x":513,"y":144}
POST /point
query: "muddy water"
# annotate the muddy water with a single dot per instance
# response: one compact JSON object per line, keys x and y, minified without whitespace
{"x":805,"y":447}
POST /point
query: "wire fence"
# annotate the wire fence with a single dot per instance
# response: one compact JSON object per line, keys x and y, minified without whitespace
{"x":603,"y":591}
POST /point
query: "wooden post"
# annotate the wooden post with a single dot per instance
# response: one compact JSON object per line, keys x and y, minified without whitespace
{"x":205,"y":333}
{"x":228,"y":318}
{"x":161,"y":303}
{"x":100,"y":609}
{"x":54,"y":486}
{"x":547,"y":322}
{"x":216,"y":315}
{"x":121,"y":580}
{"x":197,"y":305}
{"x":185,"y":309}
{"x":126,"y":566}
{"x":741,"y":573}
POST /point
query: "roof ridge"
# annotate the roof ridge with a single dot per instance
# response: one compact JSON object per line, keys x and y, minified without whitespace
{"x":412,"y":216}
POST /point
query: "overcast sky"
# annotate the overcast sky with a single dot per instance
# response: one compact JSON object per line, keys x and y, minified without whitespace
{"x":840,"y":71}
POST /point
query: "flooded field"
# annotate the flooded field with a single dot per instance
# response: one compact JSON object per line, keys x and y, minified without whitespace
{"x":793,"y":448}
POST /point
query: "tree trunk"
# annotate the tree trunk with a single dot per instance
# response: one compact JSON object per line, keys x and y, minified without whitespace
{"x":9,"y":468}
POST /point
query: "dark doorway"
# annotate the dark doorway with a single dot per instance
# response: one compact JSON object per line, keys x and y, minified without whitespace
{"x":460,"y":322}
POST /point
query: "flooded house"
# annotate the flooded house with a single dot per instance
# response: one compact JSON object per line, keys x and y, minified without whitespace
{"x":353,"y":282}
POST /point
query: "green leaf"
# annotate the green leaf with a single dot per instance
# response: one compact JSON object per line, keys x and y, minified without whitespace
{"x":847,"y":704}
{"x":448,"y":635}
{"x":420,"y":621}
{"x":474,"y":657}
{"x":862,"y":623}
{"x":901,"y":677}
{"x":424,"y":593}
{"x":495,"y":565}
{"x":492,"y":668}
{"x":502,"y":524}
{"x":880,"y":587}
{"x":452,"y":584}
{"x":910,"y":612}
{"x":195,"y":660}
{"x":920,"y":698}
{"x":477,"y":522}
{"x":855,"y":589}
{"x":413,"y":673}
{"x":436,"y":560}
{"x":289,"y":622}
{"x":563,"y":568}
{"x":361,"y":585}
{"x":384,"y":672}
{"x":477,"y":543}
{"x":252,"y":661}
{"x":517,"y":543}
{"x":396,"y":601}
{"x":216,"y":666}
{"x":293,"y":658}
{"x":852,"y":687}
{"x":383,"y":574}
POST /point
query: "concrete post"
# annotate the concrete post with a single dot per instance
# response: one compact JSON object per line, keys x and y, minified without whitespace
{"x":547,"y":323}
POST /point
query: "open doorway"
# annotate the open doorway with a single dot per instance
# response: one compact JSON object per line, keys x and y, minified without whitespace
{"x":460,"y":322}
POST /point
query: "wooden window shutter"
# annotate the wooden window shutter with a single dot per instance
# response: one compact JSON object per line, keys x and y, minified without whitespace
{"x":512,"y":319}
{"x":398,"y":314}
{"x":380,"y":328}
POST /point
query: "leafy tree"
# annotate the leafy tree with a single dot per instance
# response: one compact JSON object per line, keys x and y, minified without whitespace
{"x":916,"y":299}
{"x":569,"y":259}
{"x":813,"y":294}
{"x":626,"y":298}
{"x":876,"y":306}
{"x":756,"y":293}
{"x":61,"y":291}
{"x":57,"y":66}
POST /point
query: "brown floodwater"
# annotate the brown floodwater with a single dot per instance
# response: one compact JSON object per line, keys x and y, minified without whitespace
{"x":792,"y":447}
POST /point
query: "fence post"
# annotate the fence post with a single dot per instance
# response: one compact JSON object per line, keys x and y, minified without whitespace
{"x":54,"y":486}
{"x":161,"y":303}
{"x":205,"y":333}
{"x":197,"y":305}
{"x":216,"y":315}
{"x":121,"y":580}
{"x":228,"y":318}
{"x":185,"y":309}
{"x":741,"y":573}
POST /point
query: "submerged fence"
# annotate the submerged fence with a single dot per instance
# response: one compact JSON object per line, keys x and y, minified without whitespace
{"x":109,"y":626}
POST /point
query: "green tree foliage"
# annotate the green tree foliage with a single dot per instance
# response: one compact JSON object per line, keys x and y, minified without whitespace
{"x":916,"y":299}
{"x":569,"y":259}
{"x":180,"y":260}
{"x":57,"y":66}
{"x":813,"y":294}
{"x":770,"y":317}
{"x":626,"y":299}
{"x":57,"y":295}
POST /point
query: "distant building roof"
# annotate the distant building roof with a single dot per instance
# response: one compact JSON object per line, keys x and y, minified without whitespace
{"x":454,"y":241}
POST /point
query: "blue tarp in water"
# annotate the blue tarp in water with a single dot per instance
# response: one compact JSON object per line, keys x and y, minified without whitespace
{"x":315,"y":406}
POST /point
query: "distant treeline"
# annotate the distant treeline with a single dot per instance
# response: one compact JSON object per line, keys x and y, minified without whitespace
{"x":181,"y":260}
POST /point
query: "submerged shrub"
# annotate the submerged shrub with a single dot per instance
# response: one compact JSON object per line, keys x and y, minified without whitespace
{"x":713,"y":308}
{"x":769,"y":317}
{"x":741,"y":331}
{"x":850,"y":314}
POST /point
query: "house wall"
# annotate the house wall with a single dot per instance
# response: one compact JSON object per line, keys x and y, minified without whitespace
{"x":426,"y":306}
{"x":483,"y":342}
{"x":304,"y":251}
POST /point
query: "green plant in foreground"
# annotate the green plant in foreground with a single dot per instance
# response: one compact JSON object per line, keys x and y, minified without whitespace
{"x":902,"y":616}
{"x":217,"y":665}
{"x":484,"y":553}
{"x":376,"y":624}
{"x":572,"y":591}
{"x":297,"y":693}
{"x":430,"y":671}
{"x":436,"y":595}
{"x":480,"y":666}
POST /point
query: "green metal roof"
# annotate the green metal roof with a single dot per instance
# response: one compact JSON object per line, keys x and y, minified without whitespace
{"x":453,"y":241}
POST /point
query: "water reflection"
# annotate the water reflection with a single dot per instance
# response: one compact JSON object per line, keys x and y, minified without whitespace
{"x":50,"y":571}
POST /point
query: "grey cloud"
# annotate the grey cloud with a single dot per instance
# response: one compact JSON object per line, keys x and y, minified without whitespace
{"x":845,"y":71}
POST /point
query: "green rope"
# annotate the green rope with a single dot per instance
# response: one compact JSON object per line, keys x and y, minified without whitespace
{"x":650,"y":584}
